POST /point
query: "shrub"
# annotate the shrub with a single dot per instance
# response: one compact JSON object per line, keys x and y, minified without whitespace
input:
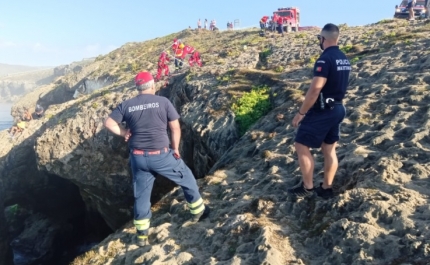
{"x":279,"y":69}
{"x":346,"y":48}
{"x":385,"y":21}
{"x":300,"y":35}
{"x":314,"y":58}
{"x":355,"y":60}
{"x":251,"y":107}
{"x":264,"y":54}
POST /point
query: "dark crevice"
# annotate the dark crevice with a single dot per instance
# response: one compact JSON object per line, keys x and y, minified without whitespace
{"x":52,"y":225}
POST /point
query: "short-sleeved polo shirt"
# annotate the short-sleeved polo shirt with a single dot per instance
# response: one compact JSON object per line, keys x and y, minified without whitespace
{"x":147,"y":116}
{"x":333,"y":65}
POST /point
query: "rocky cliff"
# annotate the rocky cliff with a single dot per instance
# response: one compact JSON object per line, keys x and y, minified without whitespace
{"x":380,"y":212}
{"x":15,"y":85}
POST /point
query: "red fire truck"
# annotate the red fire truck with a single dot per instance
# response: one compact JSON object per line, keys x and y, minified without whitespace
{"x":291,"y":16}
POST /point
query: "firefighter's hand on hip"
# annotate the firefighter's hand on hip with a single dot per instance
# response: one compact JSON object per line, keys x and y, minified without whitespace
{"x":127,"y":135}
{"x":176,"y":154}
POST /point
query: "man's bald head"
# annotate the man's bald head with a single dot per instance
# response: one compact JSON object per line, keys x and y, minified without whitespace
{"x":330,"y":32}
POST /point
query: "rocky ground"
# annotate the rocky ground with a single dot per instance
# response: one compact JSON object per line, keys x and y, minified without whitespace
{"x":379,"y":216}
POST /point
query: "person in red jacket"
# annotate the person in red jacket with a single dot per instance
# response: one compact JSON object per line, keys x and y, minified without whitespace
{"x":280,"y":21}
{"x":194,"y":55}
{"x":162,"y":66}
{"x":175,"y":45}
{"x":195,"y":59}
{"x":263,"y":22}
{"x":274,"y":22}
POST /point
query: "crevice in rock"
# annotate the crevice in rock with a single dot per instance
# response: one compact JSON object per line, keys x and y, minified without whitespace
{"x":51,"y":224}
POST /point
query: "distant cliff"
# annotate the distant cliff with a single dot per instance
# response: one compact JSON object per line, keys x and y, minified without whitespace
{"x":16,"y":81}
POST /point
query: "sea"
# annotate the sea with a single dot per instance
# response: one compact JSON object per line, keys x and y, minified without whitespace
{"x":6,"y":120}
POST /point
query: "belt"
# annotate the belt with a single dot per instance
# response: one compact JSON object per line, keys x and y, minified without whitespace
{"x":152,"y":152}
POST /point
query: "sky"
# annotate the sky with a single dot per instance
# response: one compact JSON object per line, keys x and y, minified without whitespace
{"x":56,"y":32}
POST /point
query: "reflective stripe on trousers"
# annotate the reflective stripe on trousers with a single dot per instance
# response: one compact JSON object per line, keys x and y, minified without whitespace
{"x":197,"y":206}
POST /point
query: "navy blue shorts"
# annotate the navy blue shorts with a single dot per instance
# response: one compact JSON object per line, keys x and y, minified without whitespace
{"x":320,"y":126}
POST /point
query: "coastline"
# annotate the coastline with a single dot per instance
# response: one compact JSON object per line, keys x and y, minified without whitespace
{"x":6,"y":120}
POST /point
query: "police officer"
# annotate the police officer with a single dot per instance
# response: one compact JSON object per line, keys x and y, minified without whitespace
{"x":147,"y":116}
{"x":319,"y":117}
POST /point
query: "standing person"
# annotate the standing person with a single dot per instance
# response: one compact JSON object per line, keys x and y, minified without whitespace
{"x":206,"y":23}
{"x":148,"y":116}
{"x":280,"y":21}
{"x":162,"y":66}
{"x":411,"y":4}
{"x":199,"y":24}
{"x":179,"y":53}
{"x":274,"y":19}
{"x":321,"y":113}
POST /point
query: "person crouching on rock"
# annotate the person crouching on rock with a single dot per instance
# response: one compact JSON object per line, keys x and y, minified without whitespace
{"x":19,"y":127}
{"x":38,"y":111}
{"x":148,"y":116}
{"x":263,"y":23}
{"x":320,"y":115}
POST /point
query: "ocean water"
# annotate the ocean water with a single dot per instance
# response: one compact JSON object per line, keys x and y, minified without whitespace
{"x":6,"y":120}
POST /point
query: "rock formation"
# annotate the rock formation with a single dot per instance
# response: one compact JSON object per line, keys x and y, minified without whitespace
{"x":378,"y":216}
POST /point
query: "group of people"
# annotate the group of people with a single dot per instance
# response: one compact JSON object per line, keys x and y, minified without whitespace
{"x":147,"y":116}
{"x":275,"y":23}
{"x":212,"y":25}
{"x":180,"y":51}
{"x":26,"y":117}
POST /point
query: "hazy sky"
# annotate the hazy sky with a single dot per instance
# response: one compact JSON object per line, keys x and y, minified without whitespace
{"x":54,"y":32}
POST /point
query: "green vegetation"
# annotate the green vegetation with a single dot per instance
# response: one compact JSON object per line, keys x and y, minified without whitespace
{"x":314,"y":58}
{"x":279,"y":69}
{"x":346,"y":48}
{"x":354,"y":60}
{"x":251,"y":107}
{"x":343,"y":26}
{"x":385,"y":21}
{"x":13,"y":209}
{"x":300,"y":35}
{"x":264,"y":54}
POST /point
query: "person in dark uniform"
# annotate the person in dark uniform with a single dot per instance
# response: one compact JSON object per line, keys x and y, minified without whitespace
{"x":148,"y":115}
{"x":320,"y":115}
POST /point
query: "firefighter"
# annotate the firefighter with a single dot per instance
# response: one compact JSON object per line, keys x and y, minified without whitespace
{"x":179,"y":52}
{"x":194,"y":55}
{"x":175,"y":44}
{"x":162,"y":66}
{"x":274,"y":22}
{"x":280,"y":22}
{"x":263,"y":22}
{"x":152,"y":153}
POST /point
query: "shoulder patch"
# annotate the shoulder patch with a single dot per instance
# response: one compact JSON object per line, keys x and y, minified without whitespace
{"x":319,"y":69}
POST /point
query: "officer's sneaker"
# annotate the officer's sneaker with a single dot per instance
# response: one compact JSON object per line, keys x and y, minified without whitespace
{"x":301,"y":192}
{"x":324,"y":193}
{"x":202,"y":215}
{"x":142,"y":240}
